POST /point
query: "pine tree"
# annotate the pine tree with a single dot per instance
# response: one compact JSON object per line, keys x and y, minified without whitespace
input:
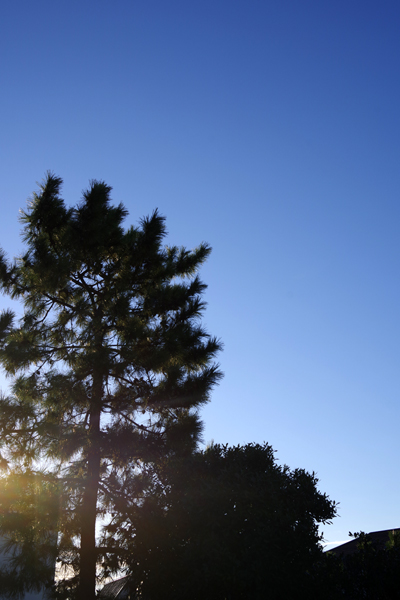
{"x":109,"y":366}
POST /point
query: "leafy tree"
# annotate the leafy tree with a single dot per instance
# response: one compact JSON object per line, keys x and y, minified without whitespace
{"x":109,"y":364}
{"x":228,"y":523}
{"x":371,"y":572}
{"x":29,"y":506}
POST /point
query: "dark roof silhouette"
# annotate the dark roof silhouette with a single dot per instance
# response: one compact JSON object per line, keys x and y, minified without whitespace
{"x":378,"y":538}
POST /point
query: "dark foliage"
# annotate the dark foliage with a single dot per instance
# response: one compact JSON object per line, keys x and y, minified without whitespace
{"x":226,"y":524}
{"x":369,"y":573}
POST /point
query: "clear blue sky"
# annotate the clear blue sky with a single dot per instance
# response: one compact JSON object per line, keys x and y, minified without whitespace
{"x":271,"y":130}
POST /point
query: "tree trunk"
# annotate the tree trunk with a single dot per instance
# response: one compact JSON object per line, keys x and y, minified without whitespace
{"x":88,"y":555}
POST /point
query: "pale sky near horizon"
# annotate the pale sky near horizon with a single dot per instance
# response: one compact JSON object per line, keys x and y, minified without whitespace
{"x":271,"y":130}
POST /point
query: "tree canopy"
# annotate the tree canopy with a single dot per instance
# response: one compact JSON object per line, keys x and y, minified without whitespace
{"x":109,"y":366}
{"x":227,"y":523}
{"x":369,"y":572}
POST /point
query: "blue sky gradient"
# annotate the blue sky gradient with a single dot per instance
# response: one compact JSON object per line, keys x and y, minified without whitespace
{"x":270,"y":130}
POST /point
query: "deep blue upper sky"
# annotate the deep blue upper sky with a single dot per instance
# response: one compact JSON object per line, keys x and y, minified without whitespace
{"x":270,"y":130}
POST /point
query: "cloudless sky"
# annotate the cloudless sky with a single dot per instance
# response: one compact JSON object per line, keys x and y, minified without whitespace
{"x":271,"y":130}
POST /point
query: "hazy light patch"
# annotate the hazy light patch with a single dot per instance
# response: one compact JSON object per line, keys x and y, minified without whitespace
{"x":335,"y":543}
